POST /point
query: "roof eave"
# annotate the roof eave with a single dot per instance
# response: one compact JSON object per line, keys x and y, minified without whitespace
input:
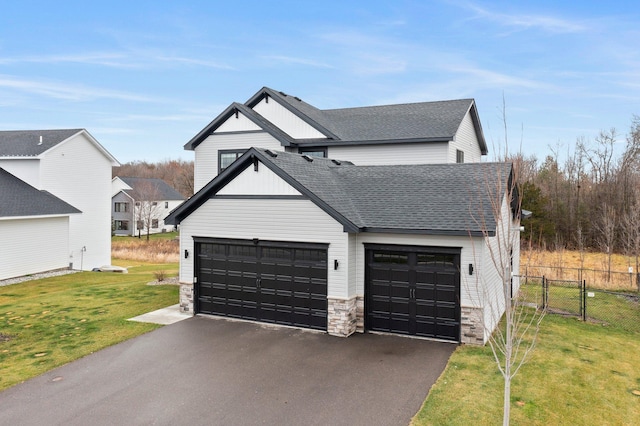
{"x":444,"y":232}
{"x":325,"y":142}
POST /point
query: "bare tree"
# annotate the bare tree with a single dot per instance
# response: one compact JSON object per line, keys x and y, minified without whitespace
{"x":606,"y":228}
{"x":147,"y":210}
{"x":631,"y":233}
{"x":513,"y":342}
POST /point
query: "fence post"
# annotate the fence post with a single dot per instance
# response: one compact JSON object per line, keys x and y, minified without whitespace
{"x":545,"y":291}
{"x":584,"y":300}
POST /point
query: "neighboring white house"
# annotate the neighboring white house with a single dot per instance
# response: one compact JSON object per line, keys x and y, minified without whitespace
{"x":71,"y":165}
{"x":35,"y":229}
{"x":140,"y":205}
{"x":391,"y":234}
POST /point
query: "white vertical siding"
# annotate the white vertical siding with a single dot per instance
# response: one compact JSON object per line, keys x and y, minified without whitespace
{"x":286,"y":121}
{"x":206,"y":153}
{"x":373,"y":155}
{"x":78,"y":173}
{"x":237,"y":124}
{"x":27,"y":170}
{"x":267,"y":219}
{"x":36,"y":245}
{"x":262,"y":182}
{"x":466,"y":140}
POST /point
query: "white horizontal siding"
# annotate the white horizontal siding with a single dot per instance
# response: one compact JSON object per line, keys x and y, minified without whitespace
{"x":262,"y":182}
{"x":237,"y":124}
{"x":79,"y":173}
{"x":374,"y":155}
{"x":497,"y":266}
{"x":33,"y":245}
{"x":466,"y":140}
{"x":286,"y":121}
{"x":27,"y":170}
{"x":267,"y":219}
{"x":468,"y":255}
{"x":206,"y":153}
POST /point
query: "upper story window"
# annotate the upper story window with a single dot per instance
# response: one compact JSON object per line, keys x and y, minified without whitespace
{"x":227,"y":156}
{"x":121,"y":207}
{"x":166,"y":204}
{"x":459,"y":156}
{"x":320,"y":152}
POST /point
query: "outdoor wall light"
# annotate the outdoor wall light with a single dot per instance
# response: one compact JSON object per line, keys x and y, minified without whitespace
{"x":186,"y":254}
{"x":335,"y":264}
{"x":471,"y":269}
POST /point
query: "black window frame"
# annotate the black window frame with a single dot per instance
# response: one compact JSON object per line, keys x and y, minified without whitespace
{"x":237,"y":152}
{"x":121,"y":225}
{"x":312,"y":150}
{"x":459,"y":156}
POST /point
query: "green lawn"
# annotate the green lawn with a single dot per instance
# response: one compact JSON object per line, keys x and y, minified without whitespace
{"x":580,"y":374}
{"x":49,"y":322}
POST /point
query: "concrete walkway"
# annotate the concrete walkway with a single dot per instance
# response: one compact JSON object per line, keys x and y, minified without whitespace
{"x":164,"y":316}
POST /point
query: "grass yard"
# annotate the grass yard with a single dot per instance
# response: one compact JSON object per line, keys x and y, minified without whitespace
{"x":49,"y":322}
{"x":579,"y":374}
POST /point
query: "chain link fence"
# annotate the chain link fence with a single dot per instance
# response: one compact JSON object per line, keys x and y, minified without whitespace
{"x":615,"y":309}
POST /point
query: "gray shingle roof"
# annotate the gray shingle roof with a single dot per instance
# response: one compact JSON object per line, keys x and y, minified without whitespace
{"x":444,"y":199}
{"x":160,"y":190}
{"x":21,"y":199}
{"x":411,"y":122}
{"x":425,"y":120}
{"x":26,"y":143}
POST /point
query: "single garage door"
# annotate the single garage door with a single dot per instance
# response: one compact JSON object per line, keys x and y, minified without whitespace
{"x":413,"y":290}
{"x":281,"y":283}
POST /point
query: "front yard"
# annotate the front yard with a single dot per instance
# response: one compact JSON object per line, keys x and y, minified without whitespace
{"x":49,"y":322}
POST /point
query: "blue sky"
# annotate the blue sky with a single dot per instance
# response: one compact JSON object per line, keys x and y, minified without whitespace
{"x":143,"y":77}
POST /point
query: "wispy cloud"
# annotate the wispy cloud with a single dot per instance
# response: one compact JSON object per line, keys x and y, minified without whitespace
{"x":297,"y":61}
{"x":548,"y":23}
{"x":63,"y":91}
{"x":123,"y":60}
{"x":191,"y":61}
{"x":114,"y":60}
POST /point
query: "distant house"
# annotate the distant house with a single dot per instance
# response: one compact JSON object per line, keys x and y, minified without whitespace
{"x":347,"y":220}
{"x":140,"y":205}
{"x":74,"y":169}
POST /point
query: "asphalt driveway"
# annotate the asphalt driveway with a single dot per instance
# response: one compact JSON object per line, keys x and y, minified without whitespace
{"x":206,"y":371}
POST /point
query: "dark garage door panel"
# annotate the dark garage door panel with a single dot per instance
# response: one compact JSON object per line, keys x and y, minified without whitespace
{"x":265,"y":281}
{"x":413,"y":291}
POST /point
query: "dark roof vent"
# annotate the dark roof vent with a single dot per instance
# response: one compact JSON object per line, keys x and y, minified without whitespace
{"x":297,"y":98}
{"x":336,"y":162}
{"x":271,"y":153}
{"x":309,"y":159}
{"x":283,"y":94}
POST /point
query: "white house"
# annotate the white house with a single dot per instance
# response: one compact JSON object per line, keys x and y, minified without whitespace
{"x":417,"y":133}
{"x":35,"y":229}
{"x":140,"y":205}
{"x":71,"y":165}
{"x":346,"y":244}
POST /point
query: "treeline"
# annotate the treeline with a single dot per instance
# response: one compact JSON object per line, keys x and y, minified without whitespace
{"x":589,"y":200}
{"x":177,"y":173}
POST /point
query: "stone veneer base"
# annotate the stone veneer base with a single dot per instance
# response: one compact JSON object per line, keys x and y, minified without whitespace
{"x":472,"y":326}
{"x":186,"y":298}
{"x":341,"y":316}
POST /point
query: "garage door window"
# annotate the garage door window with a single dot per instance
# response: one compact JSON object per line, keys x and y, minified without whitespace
{"x":397,"y":259}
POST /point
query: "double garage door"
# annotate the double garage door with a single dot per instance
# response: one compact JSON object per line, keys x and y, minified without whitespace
{"x":409,"y":290}
{"x":413,"y":290}
{"x":281,"y":283}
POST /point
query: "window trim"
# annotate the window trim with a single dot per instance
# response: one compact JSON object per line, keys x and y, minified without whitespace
{"x":307,"y":151}
{"x":238,"y":153}
{"x":459,"y":156}
{"x":119,"y":205}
